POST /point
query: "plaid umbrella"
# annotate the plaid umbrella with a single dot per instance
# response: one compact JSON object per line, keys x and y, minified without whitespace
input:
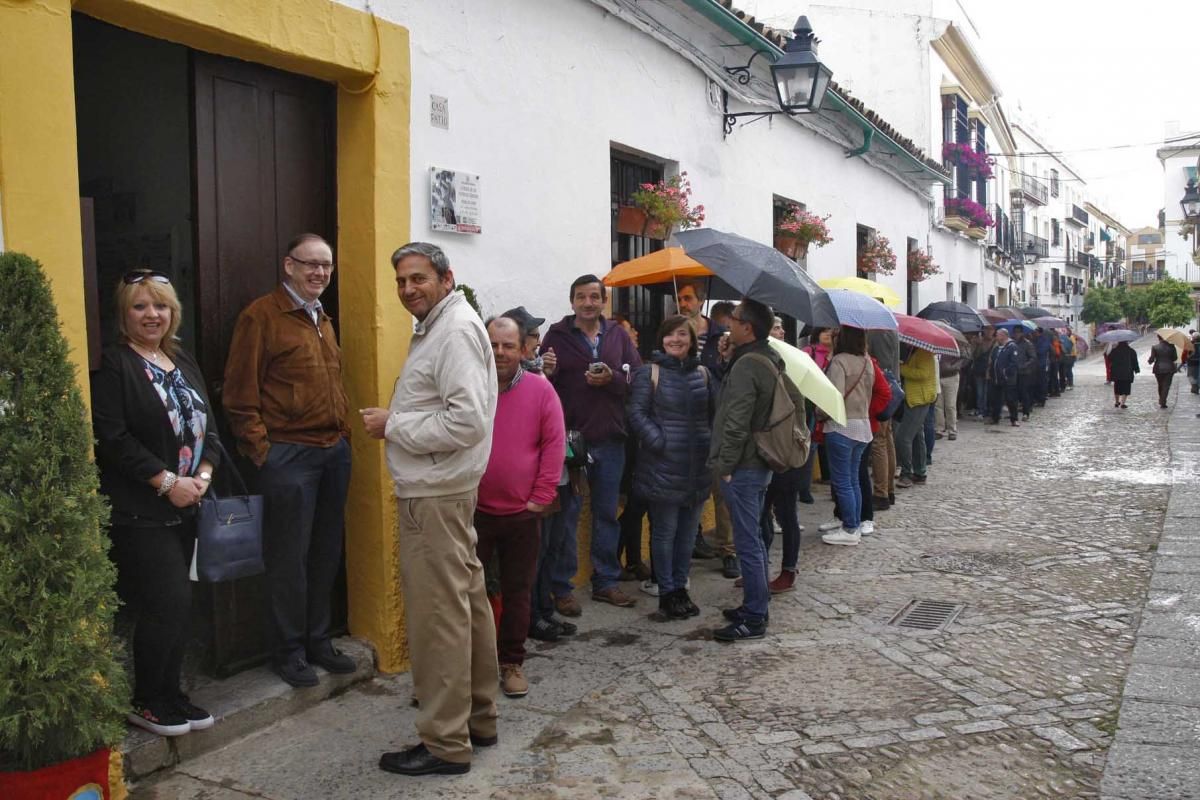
{"x":923,"y":334}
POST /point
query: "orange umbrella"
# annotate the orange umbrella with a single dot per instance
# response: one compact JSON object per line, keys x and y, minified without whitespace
{"x":660,"y":267}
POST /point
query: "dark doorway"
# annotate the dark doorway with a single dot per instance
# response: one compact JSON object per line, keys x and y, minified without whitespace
{"x":203,"y":168}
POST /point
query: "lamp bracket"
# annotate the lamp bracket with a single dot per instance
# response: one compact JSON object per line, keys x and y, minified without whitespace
{"x":730,"y":120}
{"x":742,"y":74}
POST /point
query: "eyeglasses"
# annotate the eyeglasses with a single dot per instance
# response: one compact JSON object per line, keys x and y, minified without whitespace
{"x":140,"y":275}
{"x":313,"y":266}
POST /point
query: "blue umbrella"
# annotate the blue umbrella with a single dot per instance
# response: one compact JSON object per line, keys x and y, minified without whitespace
{"x":1012,"y":324}
{"x":857,"y":310}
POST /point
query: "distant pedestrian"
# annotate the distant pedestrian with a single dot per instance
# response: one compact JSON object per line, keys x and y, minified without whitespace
{"x":1165,"y":360}
{"x":980,"y":349}
{"x":531,"y":340}
{"x":1027,"y":371}
{"x":1124,"y":363}
{"x":1193,"y":363}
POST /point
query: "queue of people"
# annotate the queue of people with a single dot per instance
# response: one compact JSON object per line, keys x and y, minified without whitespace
{"x":492,"y":437}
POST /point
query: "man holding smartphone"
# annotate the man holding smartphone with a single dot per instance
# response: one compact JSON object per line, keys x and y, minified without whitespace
{"x":595,"y":358}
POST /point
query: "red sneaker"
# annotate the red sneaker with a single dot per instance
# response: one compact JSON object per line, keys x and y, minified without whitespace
{"x":786,"y":582}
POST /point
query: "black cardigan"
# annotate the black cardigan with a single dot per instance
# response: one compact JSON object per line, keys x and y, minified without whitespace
{"x":134,"y":437}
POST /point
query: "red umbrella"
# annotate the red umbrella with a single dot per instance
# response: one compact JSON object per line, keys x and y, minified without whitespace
{"x":923,"y":334}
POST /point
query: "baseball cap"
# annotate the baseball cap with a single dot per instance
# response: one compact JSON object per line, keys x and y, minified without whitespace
{"x":528,"y":322}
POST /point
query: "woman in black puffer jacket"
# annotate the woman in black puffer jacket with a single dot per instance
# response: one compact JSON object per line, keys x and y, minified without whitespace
{"x":670,"y":411}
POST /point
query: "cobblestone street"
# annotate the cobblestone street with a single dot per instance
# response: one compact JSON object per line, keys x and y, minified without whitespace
{"x":1043,"y":534}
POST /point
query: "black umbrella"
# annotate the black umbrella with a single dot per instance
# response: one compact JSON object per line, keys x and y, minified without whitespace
{"x":957,"y":315}
{"x":761,"y":273}
{"x":1033,"y":312}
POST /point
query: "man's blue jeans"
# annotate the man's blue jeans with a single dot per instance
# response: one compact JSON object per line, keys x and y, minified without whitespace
{"x":981,"y":395}
{"x":845,"y":455}
{"x":672,"y":538}
{"x":604,"y":480}
{"x":744,"y":494}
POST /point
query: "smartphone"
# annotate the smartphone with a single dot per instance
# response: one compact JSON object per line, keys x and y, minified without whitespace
{"x":596,"y":367}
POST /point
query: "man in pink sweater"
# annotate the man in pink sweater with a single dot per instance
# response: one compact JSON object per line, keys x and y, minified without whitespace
{"x":521,"y":481}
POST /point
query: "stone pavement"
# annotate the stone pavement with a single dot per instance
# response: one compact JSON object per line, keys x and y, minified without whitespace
{"x":1044,"y":534}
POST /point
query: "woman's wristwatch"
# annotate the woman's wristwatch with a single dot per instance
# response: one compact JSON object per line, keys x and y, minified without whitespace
{"x":168,"y":483}
{"x":205,"y":476}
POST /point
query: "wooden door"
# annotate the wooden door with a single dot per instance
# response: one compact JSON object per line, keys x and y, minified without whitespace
{"x":264,"y":172}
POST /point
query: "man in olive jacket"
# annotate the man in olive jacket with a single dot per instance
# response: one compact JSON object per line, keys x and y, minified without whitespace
{"x":743,"y":407}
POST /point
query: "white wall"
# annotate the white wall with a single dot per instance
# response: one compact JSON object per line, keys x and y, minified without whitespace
{"x":538,"y":91}
{"x":1178,"y":250}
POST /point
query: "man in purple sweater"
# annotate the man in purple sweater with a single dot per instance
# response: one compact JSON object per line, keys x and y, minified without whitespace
{"x":521,"y":480}
{"x":595,"y":358}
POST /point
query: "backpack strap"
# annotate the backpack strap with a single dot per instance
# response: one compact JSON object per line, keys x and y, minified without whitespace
{"x":654,"y":378}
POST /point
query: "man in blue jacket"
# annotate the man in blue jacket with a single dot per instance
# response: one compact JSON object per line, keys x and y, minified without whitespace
{"x":594,"y":361}
{"x":1041,"y":343}
{"x":1002,"y":372}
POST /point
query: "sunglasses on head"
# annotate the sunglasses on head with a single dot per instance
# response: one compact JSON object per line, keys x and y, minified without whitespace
{"x":140,"y":275}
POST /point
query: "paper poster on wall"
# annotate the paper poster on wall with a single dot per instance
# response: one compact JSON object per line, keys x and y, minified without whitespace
{"x":454,"y":201}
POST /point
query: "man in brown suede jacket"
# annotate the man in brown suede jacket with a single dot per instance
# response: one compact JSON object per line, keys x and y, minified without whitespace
{"x":285,"y":402}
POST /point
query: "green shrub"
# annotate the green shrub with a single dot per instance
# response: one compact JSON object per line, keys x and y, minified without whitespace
{"x":63,"y":693}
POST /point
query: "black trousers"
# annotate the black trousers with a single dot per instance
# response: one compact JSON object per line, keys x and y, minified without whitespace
{"x":1164,"y":386}
{"x":1002,"y":393}
{"x":1026,"y":392}
{"x":304,"y":494}
{"x":152,"y":579}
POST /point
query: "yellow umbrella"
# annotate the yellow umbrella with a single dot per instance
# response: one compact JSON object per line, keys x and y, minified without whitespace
{"x":870,"y":288}
{"x":810,"y":380}
{"x":1178,"y":338}
{"x":659,"y":267}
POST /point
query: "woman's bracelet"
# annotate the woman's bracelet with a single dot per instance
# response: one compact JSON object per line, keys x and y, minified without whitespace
{"x":167,"y":484}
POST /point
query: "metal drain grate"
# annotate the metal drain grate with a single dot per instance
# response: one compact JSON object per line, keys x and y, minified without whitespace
{"x":926,"y":615}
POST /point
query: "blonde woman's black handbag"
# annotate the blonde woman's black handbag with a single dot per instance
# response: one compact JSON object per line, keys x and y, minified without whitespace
{"x":229,"y":541}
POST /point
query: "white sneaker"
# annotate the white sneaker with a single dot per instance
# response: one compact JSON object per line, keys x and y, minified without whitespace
{"x":849,"y":538}
{"x":867,"y":527}
{"x":800,"y":528}
{"x":650,"y":588}
{"x":833,"y":524}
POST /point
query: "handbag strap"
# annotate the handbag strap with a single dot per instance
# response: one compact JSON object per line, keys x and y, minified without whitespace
{"x":861,"y":375}
{"x":228,"y":464}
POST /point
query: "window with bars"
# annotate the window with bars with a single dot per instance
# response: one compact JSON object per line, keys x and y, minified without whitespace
{"x":1054,"y":183}
{"x":1055,"y":233}
{"x":644,"y":306}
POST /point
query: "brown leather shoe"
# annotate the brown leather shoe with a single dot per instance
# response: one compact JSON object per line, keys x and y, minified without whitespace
{"x":568,"y":606}
{"x":614,"y":596}
{"x":512,"y":681}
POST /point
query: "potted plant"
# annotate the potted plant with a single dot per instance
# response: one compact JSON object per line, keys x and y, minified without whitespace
{"x":964,"y":214}
{"x":798,"y":229}
{"x":921,"y":266}
{"x":877,"y":257}
{"x":956,"y":218}
{"x":659,"y":208}
{"x":64,"y":695}
{"x":978,"y":166}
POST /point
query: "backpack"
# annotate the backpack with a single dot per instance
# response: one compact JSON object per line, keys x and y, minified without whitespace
{"x":783,"y":443}
{"x":897,"y":397}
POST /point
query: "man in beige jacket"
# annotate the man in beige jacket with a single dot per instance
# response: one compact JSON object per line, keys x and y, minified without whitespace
{"x":439,"y":436}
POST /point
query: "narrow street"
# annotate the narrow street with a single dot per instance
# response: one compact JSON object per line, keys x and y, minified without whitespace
{"x":1042,"y":538}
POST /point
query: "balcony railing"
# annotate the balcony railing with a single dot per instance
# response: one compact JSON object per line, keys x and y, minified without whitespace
{"x":1089,"y":243}
{"x":1040,"y":246}
{"x":1034,"y":189}
{"x":1078,"y":216}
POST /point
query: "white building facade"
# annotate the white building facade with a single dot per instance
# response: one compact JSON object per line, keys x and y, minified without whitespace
{"x":562,"y":108}
{"x":1180,"y":157}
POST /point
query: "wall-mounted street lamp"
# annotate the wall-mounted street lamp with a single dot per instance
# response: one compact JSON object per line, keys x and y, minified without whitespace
{"x":1030,"y":255}
{"x":801,"y":80}
{"x":1191,"y":202}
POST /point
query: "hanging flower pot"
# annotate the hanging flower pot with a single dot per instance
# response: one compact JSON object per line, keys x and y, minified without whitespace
{"x":976,"y":233}
{"x":666,"y":205}
{"x":956,"y":223}
{"x":921,"y":266}
{"x":877,"y":257}
{"x":798,"y":229}
{"x":791,"y":245}
{"x":636,"y":222}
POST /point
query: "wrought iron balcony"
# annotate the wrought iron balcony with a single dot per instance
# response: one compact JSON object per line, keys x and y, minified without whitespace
{"x":1078,"y":216}
{"x":1035,"y":190}
{"x":1040,"y":246}
{"x":1089,"y":243}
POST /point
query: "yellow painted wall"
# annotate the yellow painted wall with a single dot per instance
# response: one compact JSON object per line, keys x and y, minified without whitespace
{"x":369,"y":60}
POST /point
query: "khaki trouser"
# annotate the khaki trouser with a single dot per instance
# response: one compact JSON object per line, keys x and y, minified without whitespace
{"x":945,"y":413}
{"x":451,"y":632}
{"x":723,"y":530}
{"x":883,"y":461}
